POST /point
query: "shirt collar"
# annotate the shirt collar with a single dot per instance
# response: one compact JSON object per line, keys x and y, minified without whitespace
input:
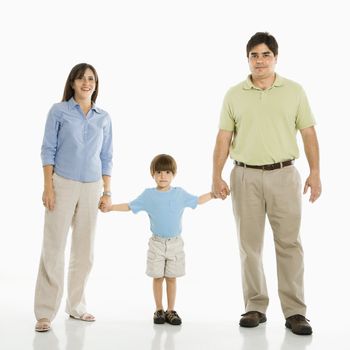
{"x":248,"y":85}
{"x":73,"y":104}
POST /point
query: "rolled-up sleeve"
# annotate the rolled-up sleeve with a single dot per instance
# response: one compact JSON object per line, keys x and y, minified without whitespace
{"x":49,"y":145}
{"x":107,"y":148}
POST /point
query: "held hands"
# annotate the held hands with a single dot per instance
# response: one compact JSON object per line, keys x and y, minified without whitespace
{"x":220,"y":189}
{"x":314,"y":182}
{"x":105,"y":204}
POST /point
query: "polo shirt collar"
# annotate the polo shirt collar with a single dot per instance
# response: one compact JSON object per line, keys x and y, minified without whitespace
{"x":248,"y":85}
{"x":72,"y":104}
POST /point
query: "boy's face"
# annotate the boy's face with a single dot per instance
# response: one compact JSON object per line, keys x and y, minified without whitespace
{"x":163,"y":179}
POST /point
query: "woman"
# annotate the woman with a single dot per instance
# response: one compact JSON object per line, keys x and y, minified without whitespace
{"x":77,"y":160}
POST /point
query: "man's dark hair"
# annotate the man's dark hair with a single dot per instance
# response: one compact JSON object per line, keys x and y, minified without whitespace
{"x":263,"y":38}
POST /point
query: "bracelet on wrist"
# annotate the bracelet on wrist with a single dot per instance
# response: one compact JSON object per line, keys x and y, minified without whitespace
{"x":107,"y":193}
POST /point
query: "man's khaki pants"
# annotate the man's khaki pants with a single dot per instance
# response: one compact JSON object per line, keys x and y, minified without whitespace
{"x":76,"y":205}
{"x":276,"y":193}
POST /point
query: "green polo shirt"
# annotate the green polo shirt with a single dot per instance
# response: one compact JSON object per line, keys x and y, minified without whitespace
{"x":265,"y":122}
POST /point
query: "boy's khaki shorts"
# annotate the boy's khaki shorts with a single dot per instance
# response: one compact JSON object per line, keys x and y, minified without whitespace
{"x":165,"y":257}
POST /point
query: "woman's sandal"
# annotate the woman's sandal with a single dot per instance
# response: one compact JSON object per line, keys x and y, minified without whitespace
{"x":84,"y":317}
{"x":43,"y":325}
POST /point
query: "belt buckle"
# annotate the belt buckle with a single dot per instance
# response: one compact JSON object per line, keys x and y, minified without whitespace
{"x":275,"y":166}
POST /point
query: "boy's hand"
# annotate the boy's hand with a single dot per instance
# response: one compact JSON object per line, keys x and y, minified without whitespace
{"x":104,"y":208}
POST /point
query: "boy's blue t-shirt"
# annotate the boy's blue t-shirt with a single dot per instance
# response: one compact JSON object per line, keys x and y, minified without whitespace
{"x":164,"y":209}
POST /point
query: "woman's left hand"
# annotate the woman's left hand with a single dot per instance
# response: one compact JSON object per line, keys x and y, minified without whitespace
{"x":105,"y":203}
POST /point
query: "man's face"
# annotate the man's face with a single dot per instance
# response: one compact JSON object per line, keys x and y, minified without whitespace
{"x":262,"y":62}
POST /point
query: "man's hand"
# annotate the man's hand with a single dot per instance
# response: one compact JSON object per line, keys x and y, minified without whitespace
{"x":314,"y":182}
{"x":220,"y":189}
{"x":222,"y":145}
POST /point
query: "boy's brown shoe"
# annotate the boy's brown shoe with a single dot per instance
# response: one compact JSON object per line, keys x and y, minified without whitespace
{"x":159,"y":317}
{"x":173,"y":318}
{"x":299,"y":325}
{"x":252,"y":319}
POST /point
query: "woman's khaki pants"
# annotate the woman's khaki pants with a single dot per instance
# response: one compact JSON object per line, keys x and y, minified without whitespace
{"x":277,"y":194}
{"x":76,"y":205}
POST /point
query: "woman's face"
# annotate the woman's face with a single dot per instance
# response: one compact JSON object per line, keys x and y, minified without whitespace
{"x":85,"y":86}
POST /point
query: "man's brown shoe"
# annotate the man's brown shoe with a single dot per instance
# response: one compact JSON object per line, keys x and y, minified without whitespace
{"x":299,"y":325}
{"x":252,"y":319}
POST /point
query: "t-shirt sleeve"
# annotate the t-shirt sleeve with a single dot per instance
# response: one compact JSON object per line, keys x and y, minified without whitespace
{"x":188,"y":199}
{"x":227,"y":121}
{"x":304,"y":117}
{"x":140,"y":203}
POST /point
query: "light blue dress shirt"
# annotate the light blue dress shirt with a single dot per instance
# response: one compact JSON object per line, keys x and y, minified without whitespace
{"x":164,"y":209}
{"x":79,"y":147}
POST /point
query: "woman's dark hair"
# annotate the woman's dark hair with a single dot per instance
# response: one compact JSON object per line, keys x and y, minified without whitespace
{"x":77,"y":72}
{"x":163,"y":162}
{"x":263,"y":38}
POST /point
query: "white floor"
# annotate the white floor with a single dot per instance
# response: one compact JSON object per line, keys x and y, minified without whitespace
{"x":71,"y":335}
{"x":124,"y":320}
{"x":104,"y":334}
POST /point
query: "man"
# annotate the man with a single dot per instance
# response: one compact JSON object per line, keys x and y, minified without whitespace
{"x":258,"y":125}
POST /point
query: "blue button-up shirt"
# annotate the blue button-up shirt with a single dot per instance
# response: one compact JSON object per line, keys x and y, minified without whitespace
{"x":79,"y":147}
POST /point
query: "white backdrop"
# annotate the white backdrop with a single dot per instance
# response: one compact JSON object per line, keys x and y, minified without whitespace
{"x":164,"y":67}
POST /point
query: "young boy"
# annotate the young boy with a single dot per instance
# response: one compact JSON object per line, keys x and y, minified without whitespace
{"x":165,"y":258}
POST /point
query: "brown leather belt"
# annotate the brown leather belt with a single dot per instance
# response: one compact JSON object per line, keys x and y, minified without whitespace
{"x":267,"y":166}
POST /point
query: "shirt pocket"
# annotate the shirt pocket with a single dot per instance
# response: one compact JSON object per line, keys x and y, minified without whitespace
{"x":173,"y":206}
